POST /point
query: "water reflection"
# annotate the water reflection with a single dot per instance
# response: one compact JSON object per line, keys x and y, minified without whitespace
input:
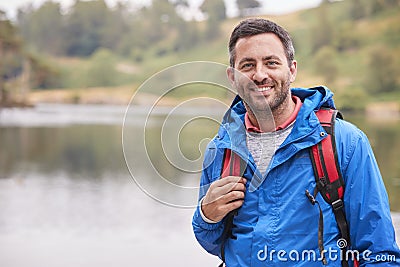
{"x":67,"y":198}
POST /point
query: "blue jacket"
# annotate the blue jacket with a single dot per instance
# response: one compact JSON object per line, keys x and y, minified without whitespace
{"x":277,"y":225}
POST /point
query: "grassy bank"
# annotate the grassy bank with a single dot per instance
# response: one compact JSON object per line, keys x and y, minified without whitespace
{"x":355,"y":64}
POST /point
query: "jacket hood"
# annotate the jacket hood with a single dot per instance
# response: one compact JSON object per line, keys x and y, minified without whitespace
{"x":315,"y":97}
{"x":232,"y":128}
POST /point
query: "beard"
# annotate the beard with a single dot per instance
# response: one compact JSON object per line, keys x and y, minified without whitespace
{"x":282,"y":95}
{"x":273,"y":103}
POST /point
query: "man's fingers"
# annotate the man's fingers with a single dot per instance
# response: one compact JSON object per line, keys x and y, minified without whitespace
{"x":232,"y":187}
{"x":218,"y":190}
{"x":235,"y":204}
{"x":229,"y":179}
{"x":233,"y":196}
{"x":228,"y":184}
{"x":221,"y":197}
{"x":225,"y":208}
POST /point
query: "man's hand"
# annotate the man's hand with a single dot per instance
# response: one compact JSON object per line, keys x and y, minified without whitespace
{"x":223,"y":196}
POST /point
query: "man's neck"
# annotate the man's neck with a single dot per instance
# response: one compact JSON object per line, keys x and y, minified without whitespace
{"x":263,"y":120}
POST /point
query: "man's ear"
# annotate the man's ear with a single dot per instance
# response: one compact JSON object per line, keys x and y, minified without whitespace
{"x":230,"y":73}
{"x":293,"y":71}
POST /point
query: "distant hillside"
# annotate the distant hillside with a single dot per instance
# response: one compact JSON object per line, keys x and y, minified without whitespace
{"x":357,"y":55}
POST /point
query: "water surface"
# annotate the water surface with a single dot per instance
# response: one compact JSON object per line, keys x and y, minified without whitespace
{"x":67,"y":197}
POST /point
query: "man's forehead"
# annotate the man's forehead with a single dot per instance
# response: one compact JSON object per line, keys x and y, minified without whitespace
{"x":267,"y":42}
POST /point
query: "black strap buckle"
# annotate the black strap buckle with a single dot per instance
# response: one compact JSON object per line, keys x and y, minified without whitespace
{"x":337,"y":205}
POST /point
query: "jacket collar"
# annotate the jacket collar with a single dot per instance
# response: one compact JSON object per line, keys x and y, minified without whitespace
{"x":305,"y":133}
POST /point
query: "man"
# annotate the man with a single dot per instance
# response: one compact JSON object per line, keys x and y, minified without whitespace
{"x":272,"y":128}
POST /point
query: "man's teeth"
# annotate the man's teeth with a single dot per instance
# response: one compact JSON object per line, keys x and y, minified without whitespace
{"x":262,"y":89}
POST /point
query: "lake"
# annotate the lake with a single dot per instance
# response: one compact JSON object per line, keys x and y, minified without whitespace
{"x":78,"y":189}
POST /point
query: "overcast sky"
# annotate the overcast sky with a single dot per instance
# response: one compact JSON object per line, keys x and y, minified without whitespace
{"x":271,"y":6}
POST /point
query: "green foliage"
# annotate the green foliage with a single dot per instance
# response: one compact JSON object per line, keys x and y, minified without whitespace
{"x":357,"y":9}
{"x":102,"y":69}
{"x":374,"y":7}
{"x":353,"y":99}
{"x":245,"y":5}
{"x":43,"y":27}
{"x":323,"y":30}
{"x":10,"y":55}
{"x":188,"y":36}
{"x":45,"y":74}
{"x":115,"y":28}
{"x":382,"y":71}
{"x":215,"y":9}
{"x":325,"y":64}
{"x":333,"y":42}
{"x":346,"y":38}
{"x":84,"y":27}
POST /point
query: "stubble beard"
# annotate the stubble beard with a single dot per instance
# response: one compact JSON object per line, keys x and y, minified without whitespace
{"x":276,"y":105}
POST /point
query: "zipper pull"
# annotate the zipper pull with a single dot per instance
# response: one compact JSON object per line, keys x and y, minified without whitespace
{"x":310,"y":197}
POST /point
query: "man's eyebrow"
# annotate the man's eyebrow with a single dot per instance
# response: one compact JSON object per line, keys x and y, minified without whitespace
{"x":246,"y":59}
{"x":271,"y":57}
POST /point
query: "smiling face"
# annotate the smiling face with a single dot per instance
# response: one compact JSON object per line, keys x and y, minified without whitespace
{"x":262,"y":73}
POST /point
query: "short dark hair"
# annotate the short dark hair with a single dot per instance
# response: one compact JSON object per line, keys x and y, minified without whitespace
{"x":254,"y":26}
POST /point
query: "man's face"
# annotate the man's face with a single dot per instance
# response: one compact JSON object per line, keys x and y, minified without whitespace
{"x":262,"y":75}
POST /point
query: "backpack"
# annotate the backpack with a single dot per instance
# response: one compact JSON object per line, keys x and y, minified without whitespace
{"x":328,"y":178}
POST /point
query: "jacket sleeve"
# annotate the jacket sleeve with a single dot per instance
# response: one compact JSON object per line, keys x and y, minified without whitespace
{"x":367,"y":205}
{"x":207,"y":234}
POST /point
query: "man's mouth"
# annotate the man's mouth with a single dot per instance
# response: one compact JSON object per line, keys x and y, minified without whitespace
{"x":263,"y":89}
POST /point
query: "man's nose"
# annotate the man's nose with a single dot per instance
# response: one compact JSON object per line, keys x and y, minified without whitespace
{"x":260,"y":75}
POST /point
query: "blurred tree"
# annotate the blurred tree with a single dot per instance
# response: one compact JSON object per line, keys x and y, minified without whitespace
{"x":160,"y":17}
{"x":43,"y":28}
{"x":134,"y":42}
{"x":216,"y":12}
{"x":18,"y":69}
{"x":215,"y":9}
{"x":102,"y":69}
{"x":180,"y":3}
{"x":245,"y":5}
{"x":377,"y":6}
{"x":212,"y":29}
{"x":382,"y":71}
{"x":84,"y":27}
{"x":188,"y":36}
{"x":115,"y":27}
{"x":346,"y":37}
{"x":24,"y":15}
{"x":41,"y":73}
{"x":323,"y":30}
{"x":10,"y":48}
{"x":392,"y":3}
{"x":345,"y":99}
{"x":357,"y":10}
{"x":325,"y":64}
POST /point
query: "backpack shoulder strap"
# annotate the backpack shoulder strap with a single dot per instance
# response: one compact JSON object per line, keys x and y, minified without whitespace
{"x":327,"y":172}
{"x":325,"y":160}
{"x":232,"y":165}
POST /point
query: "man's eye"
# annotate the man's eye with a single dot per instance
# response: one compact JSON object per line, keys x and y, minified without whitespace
{"x":247,"y":65}
{"x":272,"y":63}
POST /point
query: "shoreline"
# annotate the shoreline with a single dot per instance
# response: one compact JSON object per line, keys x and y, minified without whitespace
{"x":384,"y":110}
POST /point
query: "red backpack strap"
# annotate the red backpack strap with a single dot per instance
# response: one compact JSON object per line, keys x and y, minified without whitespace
{"x":327,"y":172}
{"x":325,"y":159}
{"x":232,"y":165}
